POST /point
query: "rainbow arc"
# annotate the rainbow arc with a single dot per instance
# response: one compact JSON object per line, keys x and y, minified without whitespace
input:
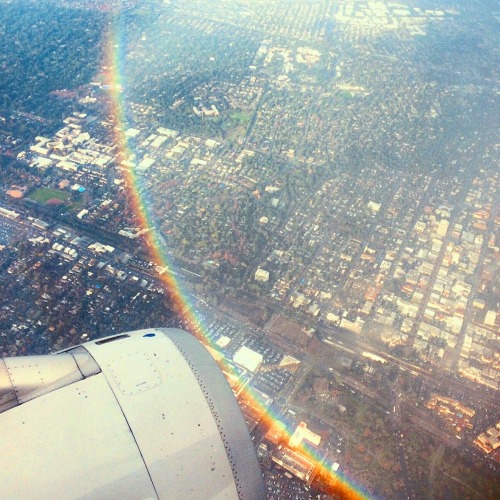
{"x":335,"y":483}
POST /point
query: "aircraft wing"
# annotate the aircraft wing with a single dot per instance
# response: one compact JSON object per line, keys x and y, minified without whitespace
{"x":144,"y":414}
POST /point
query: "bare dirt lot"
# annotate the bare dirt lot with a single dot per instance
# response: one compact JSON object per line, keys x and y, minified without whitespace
{"x":281,"y":328}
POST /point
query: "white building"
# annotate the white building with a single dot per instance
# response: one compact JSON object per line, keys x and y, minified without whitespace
{"x":248,"y":359}
{"x":262,"y":275}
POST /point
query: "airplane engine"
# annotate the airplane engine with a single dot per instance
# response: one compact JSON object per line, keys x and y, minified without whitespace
{"x":144,"y":414}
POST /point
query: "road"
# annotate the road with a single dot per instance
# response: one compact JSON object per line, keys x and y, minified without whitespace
{"x":473,"y":292}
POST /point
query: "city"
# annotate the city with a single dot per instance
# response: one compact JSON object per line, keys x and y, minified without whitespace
{"x":323,"y":179}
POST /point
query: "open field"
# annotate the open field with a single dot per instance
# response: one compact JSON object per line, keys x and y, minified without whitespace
{"x":43,"y":195}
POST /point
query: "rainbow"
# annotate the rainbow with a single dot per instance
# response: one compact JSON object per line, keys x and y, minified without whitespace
{"x":337,"y":484}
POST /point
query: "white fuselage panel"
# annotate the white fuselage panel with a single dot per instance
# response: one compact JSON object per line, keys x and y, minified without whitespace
{"x":48,"y":459}
{"x":169,"y":417}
